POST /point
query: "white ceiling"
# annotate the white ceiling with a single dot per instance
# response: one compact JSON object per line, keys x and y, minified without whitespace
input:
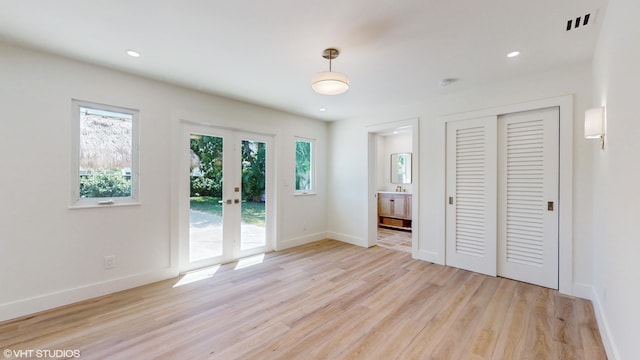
{"x":265,"y":52}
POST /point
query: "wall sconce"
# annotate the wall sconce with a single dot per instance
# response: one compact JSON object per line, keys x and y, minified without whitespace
{"x":594,"y":124}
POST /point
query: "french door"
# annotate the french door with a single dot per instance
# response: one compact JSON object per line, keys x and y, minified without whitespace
{"x":225,"y":213}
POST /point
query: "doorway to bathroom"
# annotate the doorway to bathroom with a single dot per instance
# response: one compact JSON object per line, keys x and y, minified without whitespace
{"x":393,"y":205}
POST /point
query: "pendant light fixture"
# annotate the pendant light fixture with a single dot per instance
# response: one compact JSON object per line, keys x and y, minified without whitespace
{"x":328,"y":82}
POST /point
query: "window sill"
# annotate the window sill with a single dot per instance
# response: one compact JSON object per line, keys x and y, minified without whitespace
{"x":305,"y":193}
{"x":95,"y":204}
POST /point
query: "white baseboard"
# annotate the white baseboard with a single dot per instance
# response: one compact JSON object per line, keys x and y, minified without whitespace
{"x":347,"y":239}
{"x":581,"y":290}
{"x":603,"y":325}
{"x":289,"y":243}
{"x":44,"y":302}
{"x":429,"y":256}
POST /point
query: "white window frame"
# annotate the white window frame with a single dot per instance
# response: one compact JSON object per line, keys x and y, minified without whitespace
{"x":312,"y":190}
{"x":76,"y":201}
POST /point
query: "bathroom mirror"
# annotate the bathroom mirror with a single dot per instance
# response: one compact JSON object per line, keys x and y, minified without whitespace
{"x":401,"y":168}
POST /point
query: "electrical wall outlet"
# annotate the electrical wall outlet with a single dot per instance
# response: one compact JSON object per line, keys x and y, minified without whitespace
{"x":109,"y":261}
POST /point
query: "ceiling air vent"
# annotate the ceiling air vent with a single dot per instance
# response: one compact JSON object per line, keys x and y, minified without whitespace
{"x":577,"y":22}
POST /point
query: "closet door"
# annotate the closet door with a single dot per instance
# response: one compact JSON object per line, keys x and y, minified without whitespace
{"x":528,"y":197}
{"x":471,"y":195}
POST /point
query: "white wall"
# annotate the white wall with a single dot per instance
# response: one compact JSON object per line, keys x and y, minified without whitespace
{"x":616,"y":174}
{"x":392,"y":144}
{"x":347,"y":214}
{"x":51,"y":255}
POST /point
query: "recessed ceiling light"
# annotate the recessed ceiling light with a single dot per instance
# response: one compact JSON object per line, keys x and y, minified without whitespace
{"x":133,"y":53}
{"x":513,"y":54}
{"x":323,"y":109}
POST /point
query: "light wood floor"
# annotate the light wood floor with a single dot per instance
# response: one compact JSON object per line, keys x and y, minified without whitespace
{"x":326,"y":300}
{"x":394,"y":239}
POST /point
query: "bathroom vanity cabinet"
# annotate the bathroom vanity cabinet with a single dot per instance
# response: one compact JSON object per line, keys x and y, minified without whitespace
{"x":394,"y":210}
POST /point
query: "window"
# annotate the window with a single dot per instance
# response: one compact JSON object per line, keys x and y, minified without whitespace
{"x":305,"y":166}
{"x":105,"y":170}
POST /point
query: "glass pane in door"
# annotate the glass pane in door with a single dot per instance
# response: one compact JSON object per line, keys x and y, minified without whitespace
{"x":254,"y":196}
{"x":205,"y":202}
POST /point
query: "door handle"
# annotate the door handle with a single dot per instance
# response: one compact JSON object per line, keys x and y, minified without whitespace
{"x":549,"y":205}
{"x":229,"y":201}
{"x":236,"y":201}
{"x":450,"y":200}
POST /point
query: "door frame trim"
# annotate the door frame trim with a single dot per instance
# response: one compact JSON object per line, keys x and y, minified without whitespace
{"x":565,"y":194}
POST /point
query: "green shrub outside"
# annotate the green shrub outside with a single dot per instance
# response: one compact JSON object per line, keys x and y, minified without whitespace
{"x":105,"y":185}
{"x":205,"y":186}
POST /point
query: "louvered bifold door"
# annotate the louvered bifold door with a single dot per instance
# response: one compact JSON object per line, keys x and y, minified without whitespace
{"x":471,"y":195}
{"x":528,"y":197}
